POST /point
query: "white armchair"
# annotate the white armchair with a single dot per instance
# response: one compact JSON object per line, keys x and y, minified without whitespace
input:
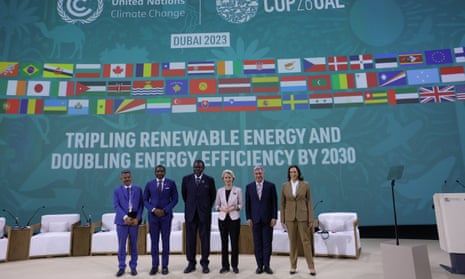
{"x":338,"y":236}
{"x":280,"y":242}
{"x":3,"y":240}
{"x":54,"y":238}
{"x":175,"y":237}
{"x":105,"y":241}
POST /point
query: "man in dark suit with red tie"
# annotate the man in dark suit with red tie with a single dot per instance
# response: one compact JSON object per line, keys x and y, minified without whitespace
{"x":261,"y":210}
{"x":160,"y":197}
{"x":199,"y":193}
{"x":129,"y":205}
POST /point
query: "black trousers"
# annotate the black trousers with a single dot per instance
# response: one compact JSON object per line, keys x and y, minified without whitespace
{"x":229,"y":230}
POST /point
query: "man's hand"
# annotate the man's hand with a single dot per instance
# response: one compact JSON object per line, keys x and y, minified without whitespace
{"x":159,"y":212}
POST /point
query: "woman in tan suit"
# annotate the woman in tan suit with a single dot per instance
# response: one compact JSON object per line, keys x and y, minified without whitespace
{"x":297,"y":216}
{"x":229,"y":203}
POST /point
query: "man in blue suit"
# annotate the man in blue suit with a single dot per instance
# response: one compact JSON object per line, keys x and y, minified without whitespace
{"x":199,"y":193}
{"x":160,"y":197}
{"x":261,"y":210}
{"x":128,"y":204}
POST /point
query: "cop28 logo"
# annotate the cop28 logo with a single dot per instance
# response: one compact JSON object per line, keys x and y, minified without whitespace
{"x":237,"y":11}
{"x":82,"y":11}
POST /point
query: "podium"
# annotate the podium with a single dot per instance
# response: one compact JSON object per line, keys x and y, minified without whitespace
{"x":81,"y":240}
{"x":449,"y":209}
{"x":19,"y":241}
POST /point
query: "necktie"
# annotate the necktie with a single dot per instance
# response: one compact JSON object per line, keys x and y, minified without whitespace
{"x":130,"y":200}
{"x":160,"y":186}
{"x":259,"y":190}
{"x":197,"y":181}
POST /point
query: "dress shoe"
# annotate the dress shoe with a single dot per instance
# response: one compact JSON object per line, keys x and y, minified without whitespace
{"x":133,"y":272}
{"x":120,"y":272}
{"x":268,"y":270}
{"x":205,"y":269}
{"x":313,"y":273}
{"x":164,"y":270}
{"x":259,"y":270}
{"x":292,"y":272}
{"x":189,"y":268}
{"x":235,"y":270}
{"x":154,"y":270}
{"x":224,"y":269}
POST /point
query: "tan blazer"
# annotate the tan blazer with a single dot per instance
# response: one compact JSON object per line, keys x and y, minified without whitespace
{"x":298,"y":208}
{"x":235,"y":199}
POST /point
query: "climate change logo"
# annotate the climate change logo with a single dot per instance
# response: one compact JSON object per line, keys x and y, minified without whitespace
{"x":82,"y":11}
{"x":237,"y":11}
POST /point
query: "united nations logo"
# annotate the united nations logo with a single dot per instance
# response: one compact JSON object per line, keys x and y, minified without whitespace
{"x":73,"y":11}
{"x":237,"y":11}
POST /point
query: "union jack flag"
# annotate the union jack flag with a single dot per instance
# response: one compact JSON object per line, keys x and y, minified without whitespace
{"x":437,"y":94}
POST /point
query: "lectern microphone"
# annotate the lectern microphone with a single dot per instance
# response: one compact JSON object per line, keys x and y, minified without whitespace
{"x":35,"y":212}
{"x":14,"y":217}
{"x":87,"y":217}
{"x":460,"y":183}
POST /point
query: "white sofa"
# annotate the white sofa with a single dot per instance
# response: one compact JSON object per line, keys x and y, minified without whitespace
{"x":54,"y":238}
{"x":280,"y":242}
{"x":3,"y":239}
{"x":175,"y":237}
{"x":105,"y":241}
{"x":338,"y":236}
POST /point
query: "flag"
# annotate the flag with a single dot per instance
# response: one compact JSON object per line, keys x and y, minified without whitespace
{"x":452,"y":74}
{"x":37,"y":88}
{"x":386,"y":60}
{"x":224,"y":68}
{"x":78,"y":107}
{"x":159,"y":105}
{"x":95,"y":88}
{"x":314,"y":64}
{"x":147,"y":69}
{"x":104,"y":107}
{"x":170,"y":69}
{"x":117,"y":70}
{"x":293,"y":83}
{"x":321,"y":82}
{"x":324,"y":100}
{"x":9,"y":69}
{"x":459,"y":53}
{"x":392,"y":78}
{"x":411,"y":59}
{"x":234,"y":85}
{"x":290,"y":65}
{"x":119,"y":88}
{"x":15,"y":88}
{"x":148,"y":87}
{"x":375,"y":98}
{"x":209,"y":104}
{"x":422,"y":76}
{"x":31,"y":106}
{"x":406,"y":95}
{"x":239,"y":103}
{"x":128,"y":105}
{"x":347,"y":99}
{"x":10,"y":106}
{"x":30,"y":70}
{"x":264,"y":66}
{"x":55,"y":106}
{"x":460,"y":92}
{"x":269,"y":103}
{"x":181,"y":105}
{"x":201,"y":68}
{"x":437,"y":94}
{"x":361,"y":62}
{"x":295,"y":102}
{"x":58,"y":70}
{"x":337,"y":63}
{"x":87,"y":70}
{"x":265,"y":84}
{"x":62,"y":88}
{"x":176,"y":87}
{"x":438,"y":56}
{"x":342,"y":81}
{"x":366,"y":80}
{"x":202,"y":86}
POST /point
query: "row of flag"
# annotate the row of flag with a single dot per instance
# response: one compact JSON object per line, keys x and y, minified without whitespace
{"x":234,"y":85}
{"x":432,"y":94}
{"x":234,"y":67}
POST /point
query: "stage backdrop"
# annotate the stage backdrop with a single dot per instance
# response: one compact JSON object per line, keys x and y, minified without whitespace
{"x":343,"y":88}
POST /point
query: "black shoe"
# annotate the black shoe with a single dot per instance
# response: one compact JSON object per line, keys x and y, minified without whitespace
{"x":120,"y":272}
{"x":235,"y":270}
{"x":268,"y":270}
{"x":133,"y":272}
{"x":259,"y":270}
{"x":154,"y":270}
{"x":164,"y":270}
{"x":205,"y":269}
{"x":292,"y":272}
{"x":189,"y":268}
{"x":313,"y":273}
{"x":224,"y":269}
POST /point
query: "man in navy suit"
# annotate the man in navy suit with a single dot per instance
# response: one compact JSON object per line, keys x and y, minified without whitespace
{"x":128,"y":204}
{"x":160,"y":197}
{"x":199,"y":193}
{"x":261,"y":210}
